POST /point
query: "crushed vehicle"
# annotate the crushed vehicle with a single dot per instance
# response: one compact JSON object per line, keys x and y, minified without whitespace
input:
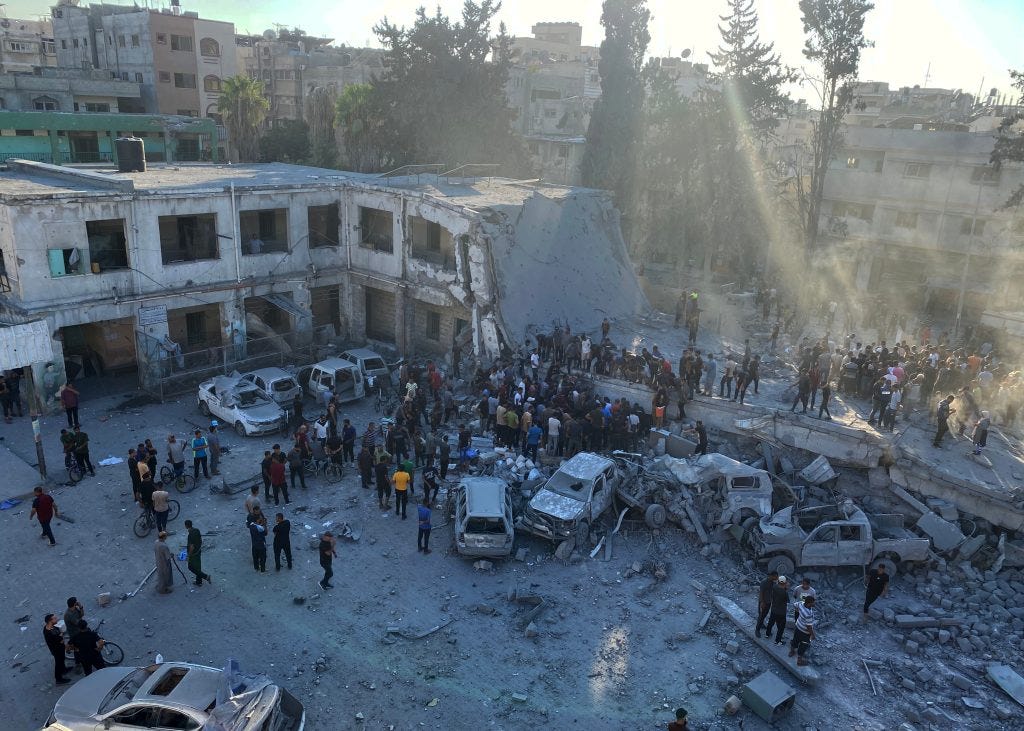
{"x":277,"y":384}
{"x":574,"y":497}
{"x":335,"y":375}
{"x":834,"y":535}
{"x":241,"y":404}
{"x":482,"y":516}
{"x":176,"y":695}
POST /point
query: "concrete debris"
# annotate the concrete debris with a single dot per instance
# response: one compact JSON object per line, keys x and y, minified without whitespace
{"x":103,"y":599}
{"x":819,"y":471}
{"x":564,"y":550}
{"x":732,"y":647}
{"x":1007,"y":679}
{"x":519,"y":697}
{"x":482,"y":565}
{"x":945,"y":536}
{"x":411,"y":635}
{"x":521,"y":554}
{"x":732,"y":705}
{"x":945,"y":509}
{"x":531,"y":631}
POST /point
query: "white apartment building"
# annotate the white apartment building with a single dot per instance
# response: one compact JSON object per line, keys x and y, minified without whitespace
{"x":225,"y":263}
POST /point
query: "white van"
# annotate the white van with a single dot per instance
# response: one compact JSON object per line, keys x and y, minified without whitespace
{"x":341,"y":376}
{"x":369,"y":362}
{"x":483,"y":517}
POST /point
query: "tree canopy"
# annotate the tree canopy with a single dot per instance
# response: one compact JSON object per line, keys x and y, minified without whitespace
{"x":244,"y":107}
{"x":441,"y":98}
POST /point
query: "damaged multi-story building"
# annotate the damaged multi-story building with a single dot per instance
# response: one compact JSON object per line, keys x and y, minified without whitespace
{"x":187,"y":268}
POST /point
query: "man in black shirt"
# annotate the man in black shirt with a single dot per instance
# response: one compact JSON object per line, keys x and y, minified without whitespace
{"x":332,"y":448}
{"x":88,"y":644}
{"x":282,"y":541}
{"x":877,"y":584}
{"x":380,"y":471}
{"x":55,"y":644}
{"x":327,"y":554}
{"x":778,"y":609}
{"x":764,"y":600}
{"x":194,"y":551}
{"x":429,"y":475}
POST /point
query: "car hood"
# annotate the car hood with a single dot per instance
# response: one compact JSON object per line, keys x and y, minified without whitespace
{"x":82,"y":700}
{"x":262,"y":414}
{"x":555,"y":505}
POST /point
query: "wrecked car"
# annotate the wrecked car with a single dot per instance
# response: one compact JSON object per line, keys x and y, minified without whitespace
{"x":175,"y":695}
{"x":483,"y":517}
{"x":834,"y":535}
{"x":573,"y":498}
{"x":241,"y":404}
{"x":332,"y":375}
{"x":277,"y":384}
{"x":726,"y":491}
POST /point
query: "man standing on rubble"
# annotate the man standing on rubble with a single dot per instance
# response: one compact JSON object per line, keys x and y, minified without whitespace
{"x":942,"y":414}
{"x":777,"y":610}
{"x":876,"y":584}
{"x":764,"y":600}
{"x":804,"y":631}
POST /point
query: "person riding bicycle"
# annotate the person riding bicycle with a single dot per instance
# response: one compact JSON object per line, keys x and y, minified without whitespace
{"x":176,"y":455}
{"x":333,"y":448}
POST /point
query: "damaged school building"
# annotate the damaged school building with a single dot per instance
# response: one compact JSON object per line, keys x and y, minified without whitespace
{"x":187,"y":267}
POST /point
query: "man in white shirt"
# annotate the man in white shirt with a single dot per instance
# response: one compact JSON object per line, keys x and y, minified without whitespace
{"x":804,"y":632}
{"x":585,"y":352}
{"x":554,"y":444}
{"x":255,"y":245}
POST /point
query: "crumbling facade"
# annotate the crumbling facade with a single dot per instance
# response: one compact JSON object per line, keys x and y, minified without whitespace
{"x":182,"y":267}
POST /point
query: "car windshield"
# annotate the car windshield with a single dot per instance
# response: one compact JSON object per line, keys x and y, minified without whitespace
{"x":569,"y":486}
{"x":373,"y":364}
{"x":249,"y":399}
{"x":285,"y":384}
{"x":126,"y":689}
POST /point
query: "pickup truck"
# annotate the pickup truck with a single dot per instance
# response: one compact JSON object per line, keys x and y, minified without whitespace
{"x":834,"y":535}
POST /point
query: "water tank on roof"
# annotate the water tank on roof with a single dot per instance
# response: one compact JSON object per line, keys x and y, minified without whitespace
{"x":131,"y":155}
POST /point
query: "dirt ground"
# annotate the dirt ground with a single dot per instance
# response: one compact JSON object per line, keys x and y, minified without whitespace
{"x":613,"y":650}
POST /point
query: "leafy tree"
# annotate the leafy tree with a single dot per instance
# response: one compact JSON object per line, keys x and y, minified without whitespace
{"x":749,"y":71}
{"x":441,"y":98}
{"x":287,"y":141}
{"x":359,"y":126}
{"x":319,"y":113}
{"x":610,"y":157}
{"x":244,"y":107}
{"x":835,"y":39}
{"x":1010,"y":141}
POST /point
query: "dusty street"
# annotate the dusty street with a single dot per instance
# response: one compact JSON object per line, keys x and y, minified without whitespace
{"x":614,"y":649}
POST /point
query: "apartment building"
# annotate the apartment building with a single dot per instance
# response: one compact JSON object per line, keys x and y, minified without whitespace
{"x":917,"y":216}
{"x":217,"y":258}
{"x":552,"y":88}
{"x":26,"y":46}
{"x":178,"y":59}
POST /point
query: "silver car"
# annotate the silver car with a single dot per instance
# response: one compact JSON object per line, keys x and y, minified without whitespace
{"x":277,"y":384}
{"x":173,"y":695}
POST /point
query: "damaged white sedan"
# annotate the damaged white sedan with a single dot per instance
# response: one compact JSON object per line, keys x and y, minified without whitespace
{"x":240,"y":404}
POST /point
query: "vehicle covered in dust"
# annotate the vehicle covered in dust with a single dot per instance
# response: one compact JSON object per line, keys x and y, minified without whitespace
{"x":726,"y":491}
{"x":834,"y":535}
{"x":574,"y":497}
{"x":241,"y":404}
{"x":483,"y":523}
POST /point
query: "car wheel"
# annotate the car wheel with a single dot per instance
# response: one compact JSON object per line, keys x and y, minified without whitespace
{"x":782,"y":564}
{"x":655,"y":516}
{"x":205,"y":408}
{"x":240,"y":429}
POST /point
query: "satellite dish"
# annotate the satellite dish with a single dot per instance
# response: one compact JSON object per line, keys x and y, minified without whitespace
{"x":685,"y":54}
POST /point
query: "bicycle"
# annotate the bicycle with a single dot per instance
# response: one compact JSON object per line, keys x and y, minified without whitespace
{"x":111,"y":652}
{"x":182,"y":483}
{"x":332,"y":471}
{"x":146,"y":522}
{"x":74,"y":469}
{"x":385,"y":402}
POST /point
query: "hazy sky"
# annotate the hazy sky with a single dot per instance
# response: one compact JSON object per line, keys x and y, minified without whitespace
{"x":963,"y":40}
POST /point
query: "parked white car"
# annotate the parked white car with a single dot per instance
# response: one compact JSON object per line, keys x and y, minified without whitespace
{"x":240,"y":404}
{"x":483,"y":517}
{"x":175,"y":695}
{"x":277,"y":384}
{"x":332,"y":375}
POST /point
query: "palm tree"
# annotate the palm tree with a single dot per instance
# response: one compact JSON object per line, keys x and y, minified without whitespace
{"x":244,"y":108}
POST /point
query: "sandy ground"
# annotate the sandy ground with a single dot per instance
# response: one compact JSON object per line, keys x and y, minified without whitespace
{"x":612,"y":652}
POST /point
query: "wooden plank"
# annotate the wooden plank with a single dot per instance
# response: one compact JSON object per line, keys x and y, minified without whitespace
{"x":780,"y":653}
{"x":1005,"y":677}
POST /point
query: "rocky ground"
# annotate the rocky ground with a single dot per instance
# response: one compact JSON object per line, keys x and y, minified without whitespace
{"x":620,"y":643}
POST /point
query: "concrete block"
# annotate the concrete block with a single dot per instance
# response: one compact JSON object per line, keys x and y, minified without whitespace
{"x":965,"y":645}
{"x":732,"y":647}
{"x":888,"y":615}
{"x":531,"y":631}
{"x":482,"y":565}
{"x":732,"y":705}
{"x":945,"y":535}
{"x":910,"y":621}
{"x":908,"y":683}
{"x":945,"y":509}
{"x":521,"y":554}
{"x":519,"y":697}
{"x":878,"y":479}
{"x":103,"y":599}
{"x":911,"y":647}
{"x":943,"y":636}
{"x":961,"y":682}
{"x":925,"y":675}
{"x":677,"y":446}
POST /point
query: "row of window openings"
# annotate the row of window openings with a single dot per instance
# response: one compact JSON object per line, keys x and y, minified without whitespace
{"x":49,"y":47}
{"x":923,"y":171}
{"x":904,"y":219}
{"x":194,"y":238}
{"x":207,"y":46}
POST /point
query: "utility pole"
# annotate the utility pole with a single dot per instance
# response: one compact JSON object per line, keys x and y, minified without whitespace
{"x":35,"y":412}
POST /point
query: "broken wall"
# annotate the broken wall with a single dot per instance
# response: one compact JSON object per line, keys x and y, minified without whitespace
{"x":560,"y":258}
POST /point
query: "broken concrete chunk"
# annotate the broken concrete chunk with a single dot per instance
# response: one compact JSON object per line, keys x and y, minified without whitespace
{"x":945,"y":535}
{"x":531,"y":630}
{"x":521,"y":554}
{"x":482,"y":565}
{"x":732,"y":647}
{"x":103,"y":599}
{"x":732,"y":705}
{"x":519,"y":697}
